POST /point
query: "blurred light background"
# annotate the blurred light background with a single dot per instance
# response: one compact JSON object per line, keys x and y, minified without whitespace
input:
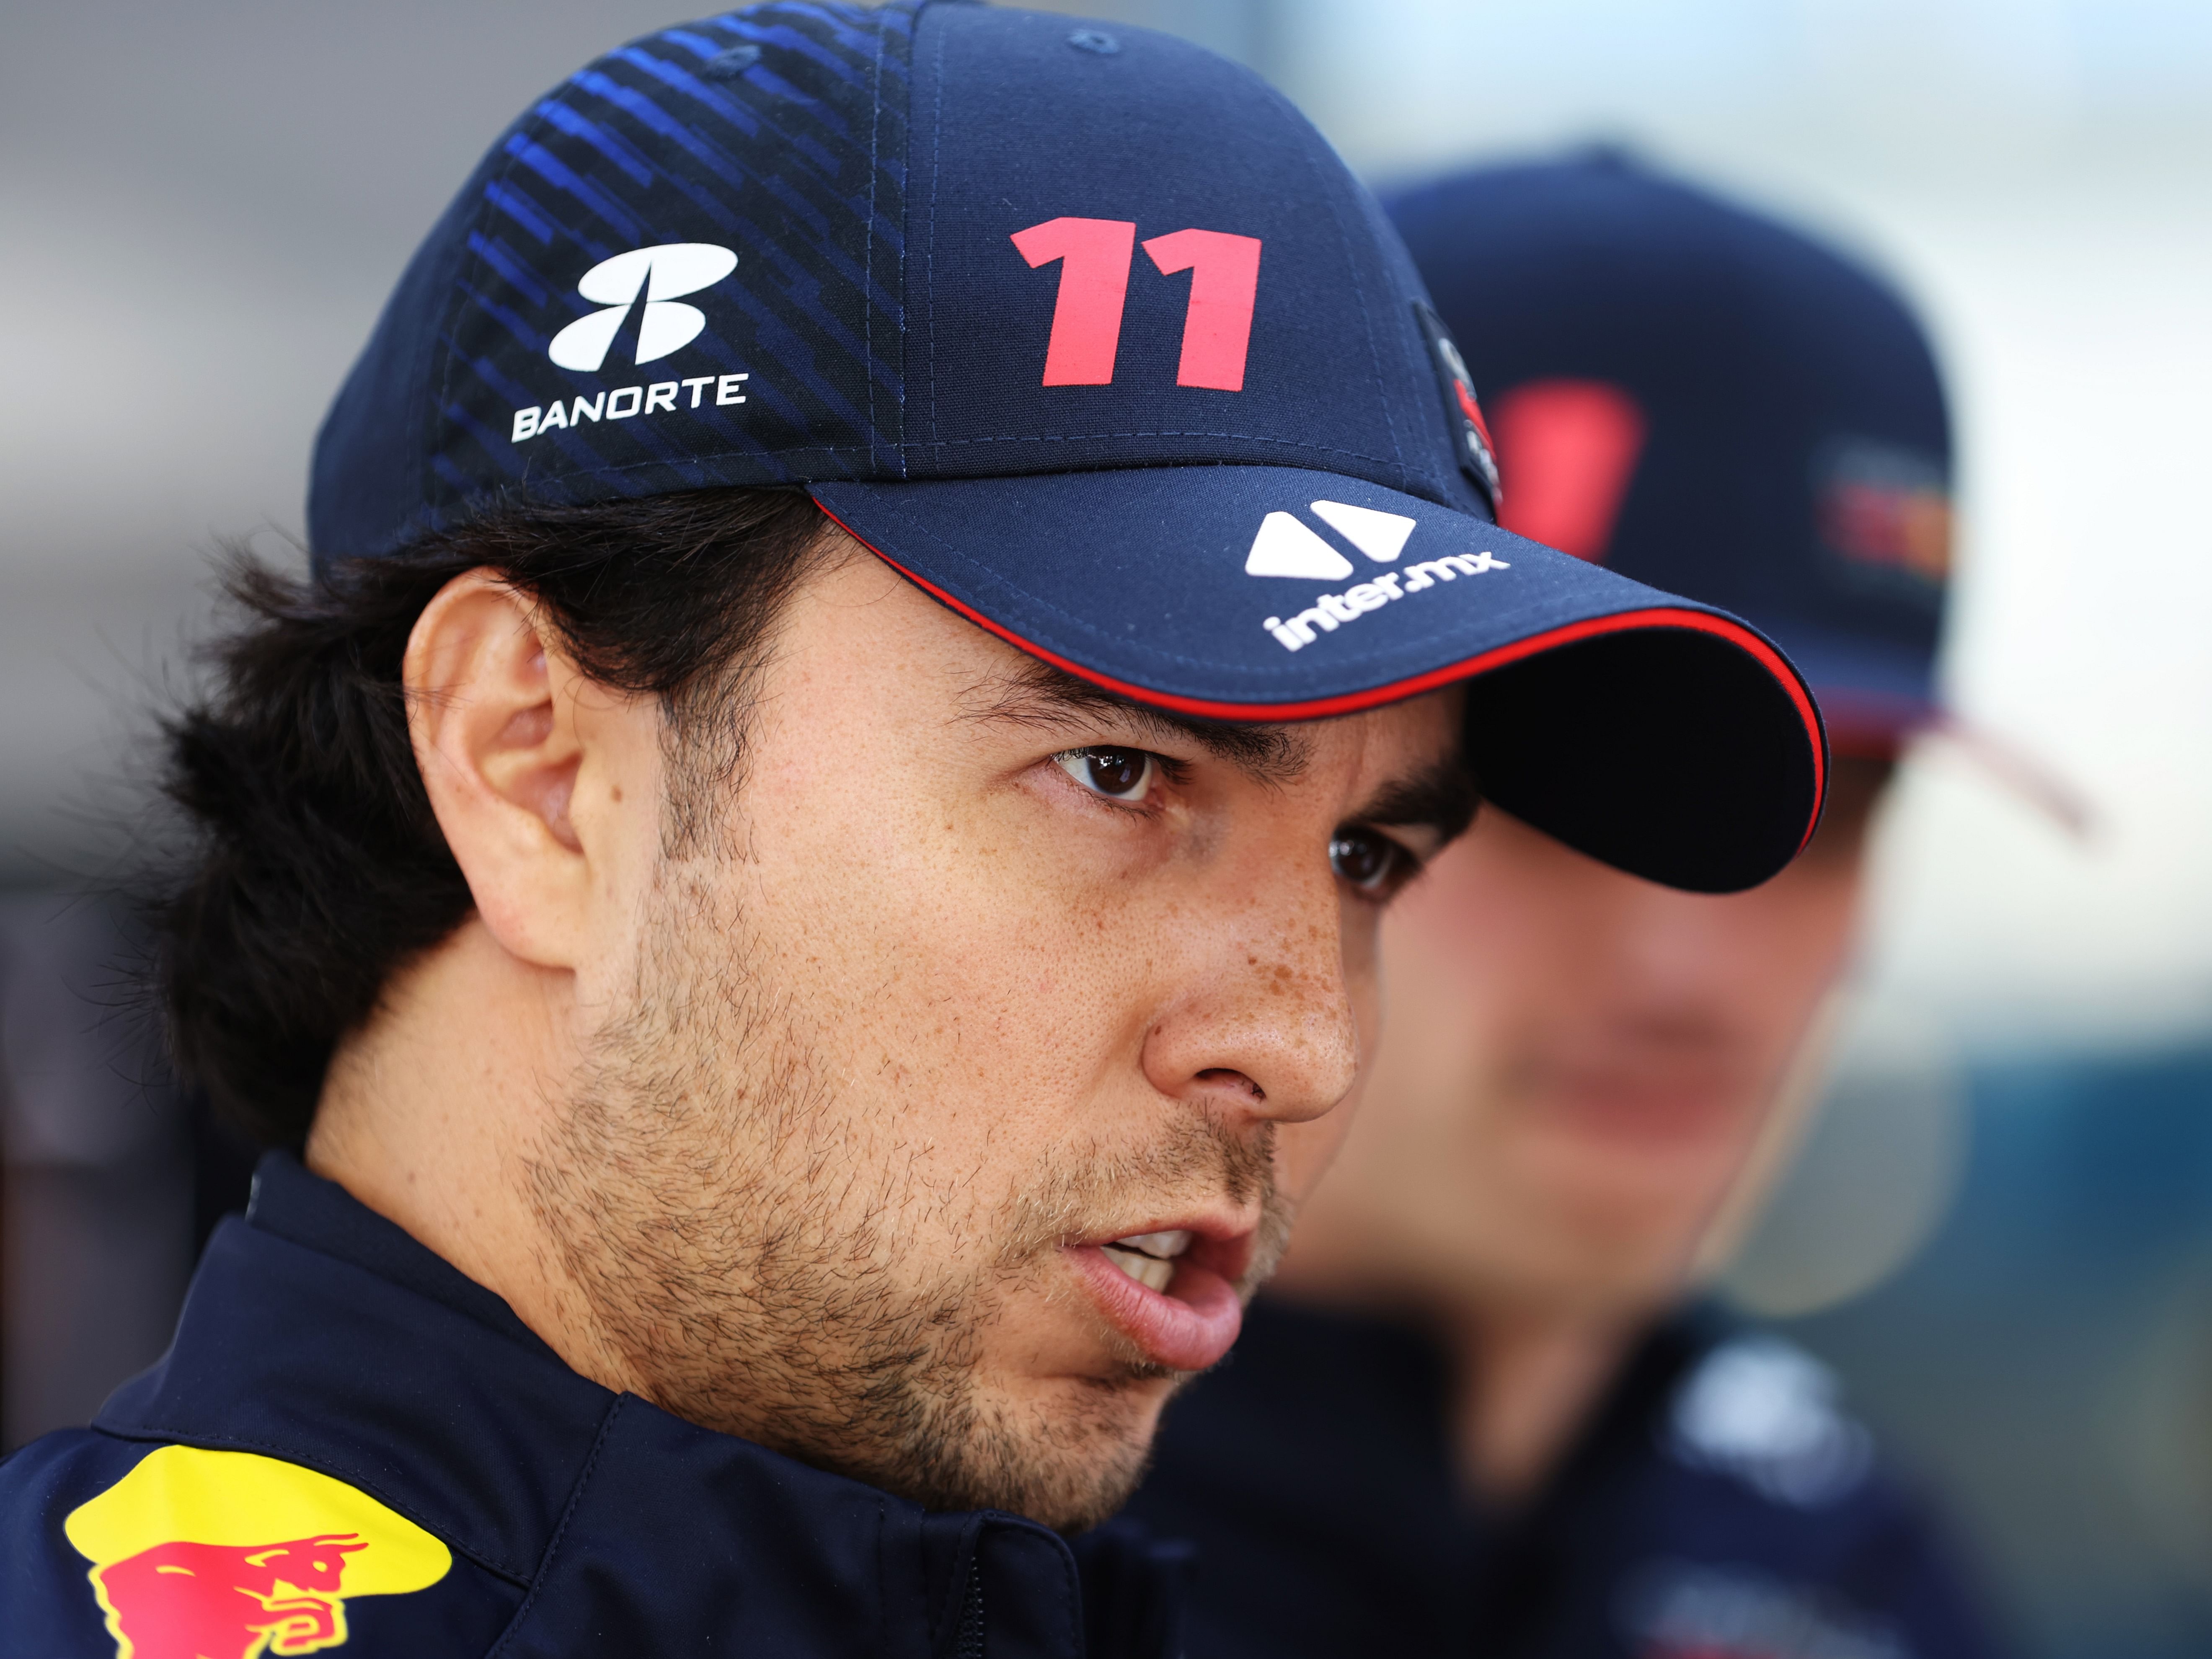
{"x":2001,"y":1230}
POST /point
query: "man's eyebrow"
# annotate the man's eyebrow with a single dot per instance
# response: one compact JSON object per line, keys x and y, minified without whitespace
{"x":1037,"y":694}
{"x":1441,"y":797}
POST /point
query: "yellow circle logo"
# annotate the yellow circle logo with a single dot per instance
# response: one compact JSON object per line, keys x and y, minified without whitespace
{"x":227,"y":1555}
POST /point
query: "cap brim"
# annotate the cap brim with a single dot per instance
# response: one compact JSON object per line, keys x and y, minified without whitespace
{"x":1663,"y":736}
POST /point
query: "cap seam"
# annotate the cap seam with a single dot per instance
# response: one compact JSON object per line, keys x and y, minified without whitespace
{"x":1075,"y":437}
{"x":936,"y":175}
{"x":469,"y":280}
{"x":1345,"y":247}
{"x":868,"y":264}
{"x":1098,"y":437}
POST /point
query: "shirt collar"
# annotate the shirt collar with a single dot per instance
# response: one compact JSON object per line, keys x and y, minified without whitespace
{"x":320,"y":1215}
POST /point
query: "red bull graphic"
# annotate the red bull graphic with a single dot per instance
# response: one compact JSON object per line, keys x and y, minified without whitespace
{"x":228,"y":1555}
{"x":1887,"y":511}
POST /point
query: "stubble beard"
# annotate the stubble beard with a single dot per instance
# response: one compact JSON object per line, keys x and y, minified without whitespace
{"x":703,"y":1195}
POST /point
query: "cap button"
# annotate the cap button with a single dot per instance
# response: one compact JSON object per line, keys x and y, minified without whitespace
{"x":728,"y":65}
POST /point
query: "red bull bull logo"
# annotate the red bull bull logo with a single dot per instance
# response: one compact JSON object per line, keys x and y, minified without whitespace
{"x":228,"y":1555}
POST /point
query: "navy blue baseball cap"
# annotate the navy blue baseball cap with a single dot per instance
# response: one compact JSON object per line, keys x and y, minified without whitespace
{"x":1708,"y":401}
{"x":1087,"y":332}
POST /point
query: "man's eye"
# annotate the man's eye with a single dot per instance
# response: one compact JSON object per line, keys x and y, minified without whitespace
{"x":1370,"y":860}
{"x":1122,"y":774}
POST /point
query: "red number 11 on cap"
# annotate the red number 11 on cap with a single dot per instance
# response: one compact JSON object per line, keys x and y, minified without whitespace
{"x":1095,"y":256}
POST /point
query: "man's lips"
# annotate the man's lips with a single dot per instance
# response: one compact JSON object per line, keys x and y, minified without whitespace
{"x":1648,"y":1112}
{"x":1655,"y":1099}
{"x":1191,"y":1324}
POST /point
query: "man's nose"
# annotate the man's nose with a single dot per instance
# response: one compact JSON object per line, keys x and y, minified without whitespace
{"x":1269,"y":1029}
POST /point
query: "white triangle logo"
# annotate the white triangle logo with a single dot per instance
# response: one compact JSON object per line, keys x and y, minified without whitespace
{"x":1284,"y":547}
{"x":1380,"y":535}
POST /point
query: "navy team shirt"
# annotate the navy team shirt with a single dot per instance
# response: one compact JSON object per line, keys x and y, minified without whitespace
{"x":352,"y":1447}
{"x":1719,"y":1506}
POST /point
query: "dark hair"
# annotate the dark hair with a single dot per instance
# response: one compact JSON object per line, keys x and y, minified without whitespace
{"x":314,"y":867}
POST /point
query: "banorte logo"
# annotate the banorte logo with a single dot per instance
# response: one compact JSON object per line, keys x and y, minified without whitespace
{"x":664,"y":274}
{"x":228,"y":1555}
{"x":661,"y":275}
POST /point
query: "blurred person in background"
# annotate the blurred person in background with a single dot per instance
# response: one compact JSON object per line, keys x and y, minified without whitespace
{"x":1484,"y":1411}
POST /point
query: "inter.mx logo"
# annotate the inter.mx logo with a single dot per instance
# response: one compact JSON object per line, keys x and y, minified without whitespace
{"x":651,"y":282}
{"x":1287,"y":546}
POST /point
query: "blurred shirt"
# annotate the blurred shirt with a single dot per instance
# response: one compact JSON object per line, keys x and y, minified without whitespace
{"x":1717,"y":1506}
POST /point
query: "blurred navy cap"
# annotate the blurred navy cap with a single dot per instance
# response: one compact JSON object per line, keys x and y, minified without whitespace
{"x":1087,"y":332}
{"x":1707,"y":401}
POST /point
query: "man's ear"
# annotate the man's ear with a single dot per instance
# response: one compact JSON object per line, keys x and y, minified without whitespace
{"x":506,"y":731}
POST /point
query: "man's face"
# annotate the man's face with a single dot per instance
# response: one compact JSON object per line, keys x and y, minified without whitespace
{"x":1579,"y":1066}
{"x":976,"y":973}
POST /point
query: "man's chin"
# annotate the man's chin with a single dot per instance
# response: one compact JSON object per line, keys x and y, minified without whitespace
{"x":1092,"y":1497}
{"x":1066,"y":1452}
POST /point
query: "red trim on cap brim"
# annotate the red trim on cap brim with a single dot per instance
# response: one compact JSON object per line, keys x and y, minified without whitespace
{"x":1351,"y":703}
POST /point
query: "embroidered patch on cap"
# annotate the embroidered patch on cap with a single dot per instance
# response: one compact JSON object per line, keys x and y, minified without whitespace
{"x":1470,"y":436}
{"x":1887,"y":511}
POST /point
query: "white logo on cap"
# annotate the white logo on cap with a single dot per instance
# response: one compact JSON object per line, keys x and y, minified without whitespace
{"x":1285,"y":547}
{"x":662,"y":275}
{"x":1380,"y":535}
